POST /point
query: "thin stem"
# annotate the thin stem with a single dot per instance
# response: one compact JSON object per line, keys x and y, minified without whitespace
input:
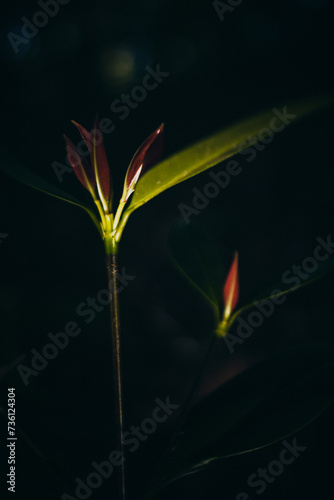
{"x":111,"y":262}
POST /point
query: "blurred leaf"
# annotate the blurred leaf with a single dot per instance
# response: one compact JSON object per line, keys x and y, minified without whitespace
{"x":197,"y":256}
{"x":209,"y":152}
{"x":7,"y":368}
{"x":264,"y":404}
{"x":13,"y":168}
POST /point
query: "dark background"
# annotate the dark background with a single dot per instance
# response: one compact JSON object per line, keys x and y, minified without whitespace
{"x":263,"y":54}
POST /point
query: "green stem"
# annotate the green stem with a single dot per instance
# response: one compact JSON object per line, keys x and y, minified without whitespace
{"x":111,"y":263}
{"x":121,"y":225}
{"x":119,"y":213}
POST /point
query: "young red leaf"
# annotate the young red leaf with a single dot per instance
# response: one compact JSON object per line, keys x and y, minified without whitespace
{"x":87,"y":136}
{"x":101,"y":166}
{"x":154,"y":149}
{"x":80,"y":165}
{"x":231,"y":288}
{"x":145,"y":157}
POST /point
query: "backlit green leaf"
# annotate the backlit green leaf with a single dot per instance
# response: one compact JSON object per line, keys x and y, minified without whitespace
{"x":214,"y":149}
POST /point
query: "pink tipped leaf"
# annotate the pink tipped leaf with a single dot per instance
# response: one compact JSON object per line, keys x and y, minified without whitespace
{"x":154,"y":150}
{"x":101,"y":167}
{"x":145,"y":157}
{"x":81,"y":167}
{"x":231,"y":288}
{"x":87,"y":136}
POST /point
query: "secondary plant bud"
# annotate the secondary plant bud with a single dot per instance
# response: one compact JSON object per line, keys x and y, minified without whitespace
{"x":231,"y":288}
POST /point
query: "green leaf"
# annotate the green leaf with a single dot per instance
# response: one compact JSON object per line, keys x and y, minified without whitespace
{"x":210,"y":152}
{"x":13,"y":168}
{"x":264,"y":404}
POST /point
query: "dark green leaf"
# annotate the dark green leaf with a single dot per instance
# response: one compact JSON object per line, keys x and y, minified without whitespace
{"x":13,"y":168}
{"x":265,"y":404}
